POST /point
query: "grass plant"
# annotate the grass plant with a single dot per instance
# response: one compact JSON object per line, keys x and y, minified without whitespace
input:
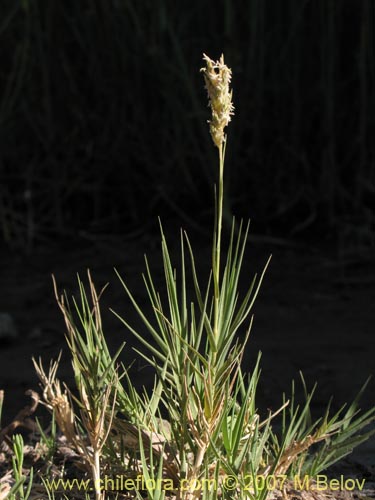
{"x":21,"y":489}
{"x":201,"y":424}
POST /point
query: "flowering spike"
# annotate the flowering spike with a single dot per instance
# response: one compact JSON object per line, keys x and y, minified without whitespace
{"x":217,"y":77}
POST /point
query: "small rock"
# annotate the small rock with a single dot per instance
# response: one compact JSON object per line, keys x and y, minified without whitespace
{"x":8,"y":330}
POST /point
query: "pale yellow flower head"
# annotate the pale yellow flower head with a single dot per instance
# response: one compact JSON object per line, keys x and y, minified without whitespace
{"x":217,"y":77}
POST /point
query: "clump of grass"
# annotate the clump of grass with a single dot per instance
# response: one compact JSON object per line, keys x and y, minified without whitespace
{"x":96,"y":381}
{"x":18,"y":482}
{"x":201,"y":422}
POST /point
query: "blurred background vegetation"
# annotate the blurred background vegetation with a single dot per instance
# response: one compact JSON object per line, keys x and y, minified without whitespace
{"x":103,"y":116}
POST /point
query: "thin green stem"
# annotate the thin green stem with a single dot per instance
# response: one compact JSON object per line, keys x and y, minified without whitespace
{"x":217,"y":241}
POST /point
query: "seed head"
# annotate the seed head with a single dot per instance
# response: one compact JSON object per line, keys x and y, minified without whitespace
{"x":217,"y":77}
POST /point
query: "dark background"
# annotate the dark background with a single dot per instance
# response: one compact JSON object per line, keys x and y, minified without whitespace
{"x":103,"y":116}
{"x":103,"y":128}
